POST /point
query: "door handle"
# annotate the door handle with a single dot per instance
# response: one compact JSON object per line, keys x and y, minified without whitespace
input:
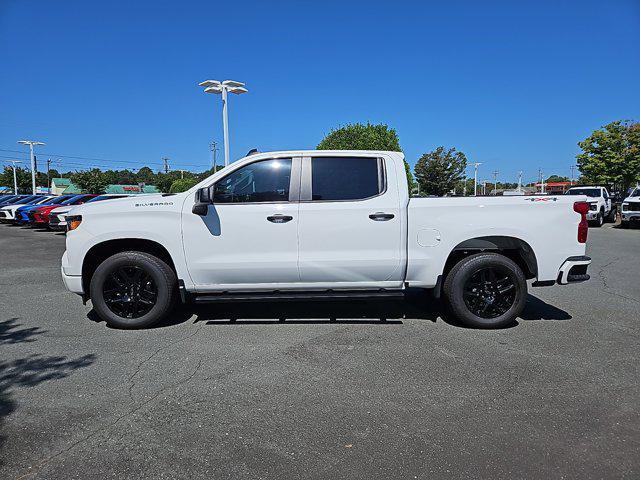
{"x":381,"y":217}
{"x":280,"y":218}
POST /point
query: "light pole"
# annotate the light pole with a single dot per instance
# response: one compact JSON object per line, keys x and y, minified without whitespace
{"x":495,"y":181}
{"x":32,"y":143}
{"x":15,"y":178}
{"x":223,"y":88}
{"x":520,"y":181}
{"x":475,"y":178}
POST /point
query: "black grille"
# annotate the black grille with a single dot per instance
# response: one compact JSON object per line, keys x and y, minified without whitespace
{"x":633,"y":207}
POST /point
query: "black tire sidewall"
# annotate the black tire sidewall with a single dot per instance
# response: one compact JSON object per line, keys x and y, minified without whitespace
{"x":159,"y":272}
{"x":454,"y":287}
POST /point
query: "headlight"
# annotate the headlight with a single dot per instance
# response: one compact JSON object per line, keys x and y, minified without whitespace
{"x":593,"y":206}
{"x":73,"y":221}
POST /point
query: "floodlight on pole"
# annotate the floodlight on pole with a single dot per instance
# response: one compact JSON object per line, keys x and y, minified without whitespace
{"x":32,"y":143}
{"x":15,"y":178}
{"x":475,"y":178}
{"x":223,"y":89}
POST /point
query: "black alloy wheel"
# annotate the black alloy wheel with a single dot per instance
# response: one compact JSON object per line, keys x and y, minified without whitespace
{"x":129,"y":291}
{"x":490,"y":292}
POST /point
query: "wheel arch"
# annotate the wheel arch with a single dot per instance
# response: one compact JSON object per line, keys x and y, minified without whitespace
{"x":103,"y":250}
{"x":514,"y":248}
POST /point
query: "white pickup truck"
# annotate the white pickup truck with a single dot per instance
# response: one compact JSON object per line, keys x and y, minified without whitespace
{"x":306,"y":225}
{"x":631,"y":208}
{"x":601,"y":207}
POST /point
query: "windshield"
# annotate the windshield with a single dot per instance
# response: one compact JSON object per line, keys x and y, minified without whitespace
{"x":73,"y":200}
{"x":589,"y":192}
{"x":636,"y":192}
{"x":56,"y":200}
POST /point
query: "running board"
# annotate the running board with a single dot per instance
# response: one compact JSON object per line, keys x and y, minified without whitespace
{"x":295,"y":296}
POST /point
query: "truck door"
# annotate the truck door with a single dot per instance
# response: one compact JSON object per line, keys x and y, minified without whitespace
{"x":350,"y":231}
{"x":249,"y":236}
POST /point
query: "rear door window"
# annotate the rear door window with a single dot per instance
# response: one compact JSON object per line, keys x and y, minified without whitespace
{"x":346,"y":178}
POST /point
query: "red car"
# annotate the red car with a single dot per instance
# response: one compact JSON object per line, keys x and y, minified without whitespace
{"x":39,"y":217}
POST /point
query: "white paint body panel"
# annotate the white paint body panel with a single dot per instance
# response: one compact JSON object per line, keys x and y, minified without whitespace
{"x":327,"y":244}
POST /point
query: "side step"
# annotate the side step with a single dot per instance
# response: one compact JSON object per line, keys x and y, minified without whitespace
{"x":291,"y":296}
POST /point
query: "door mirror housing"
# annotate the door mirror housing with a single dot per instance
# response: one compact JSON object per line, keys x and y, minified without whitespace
{"x":204,"y":198}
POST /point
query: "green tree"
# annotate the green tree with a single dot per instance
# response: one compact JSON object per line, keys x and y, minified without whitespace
{"x":23,"y":177}
{"x":146,"y":175}
{"x":438,"y":172}
{"x":358,"y":136}
{"x":182,"y":184}
{"x":556,"y":178}
{"x":90,"y":181}
{"x":611,"y":155}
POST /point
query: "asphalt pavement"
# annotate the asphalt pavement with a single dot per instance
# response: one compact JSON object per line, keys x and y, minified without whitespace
{"x":358,"y":390}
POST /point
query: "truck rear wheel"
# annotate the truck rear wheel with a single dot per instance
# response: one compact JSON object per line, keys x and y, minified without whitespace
{"x":486,"y":290}
{"x":133,"y":290}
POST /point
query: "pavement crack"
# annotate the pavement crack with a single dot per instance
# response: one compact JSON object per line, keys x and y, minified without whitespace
{"x":187,"y":379}
{"x":131,"y":381}
{"x":605,"y":285}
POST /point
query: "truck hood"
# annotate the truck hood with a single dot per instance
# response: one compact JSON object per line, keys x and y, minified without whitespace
{"x":632,"y":199}
{"x":131,"y":204}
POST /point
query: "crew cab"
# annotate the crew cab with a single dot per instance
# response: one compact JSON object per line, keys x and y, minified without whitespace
{"x":631,"y":208}
{"x":307,"y":225}
{"x":601,"y":206}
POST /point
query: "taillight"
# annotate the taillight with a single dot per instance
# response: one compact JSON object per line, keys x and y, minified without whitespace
{"x":583,"y":227}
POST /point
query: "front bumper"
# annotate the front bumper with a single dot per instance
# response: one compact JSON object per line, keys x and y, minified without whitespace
{"x":574,"y":270}
{"x":628,"y":216}
{"x":72,"y":282}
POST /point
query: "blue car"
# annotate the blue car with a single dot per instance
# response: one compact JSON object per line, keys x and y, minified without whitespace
{"x":13,"y":199}
{"x":22,"y":213}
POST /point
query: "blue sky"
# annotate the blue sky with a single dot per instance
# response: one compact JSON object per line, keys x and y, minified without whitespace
{"x":512,"y":84}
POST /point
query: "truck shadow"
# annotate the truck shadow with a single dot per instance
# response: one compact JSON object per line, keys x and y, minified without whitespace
{"x":375,"y":312}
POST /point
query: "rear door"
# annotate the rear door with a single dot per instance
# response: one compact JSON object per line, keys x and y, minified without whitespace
{"x":350,"y":224}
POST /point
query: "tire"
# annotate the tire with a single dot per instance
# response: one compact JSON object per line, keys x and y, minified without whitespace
{"x":133,"y":290}
{"x":624,"y":224}
{"x":599,"y":221}
{"x":471,"y":290}
{"x":612,"y":215}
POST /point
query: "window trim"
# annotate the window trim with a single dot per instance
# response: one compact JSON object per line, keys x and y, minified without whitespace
{"x":306,"y":184}
{"x":294,"y":182}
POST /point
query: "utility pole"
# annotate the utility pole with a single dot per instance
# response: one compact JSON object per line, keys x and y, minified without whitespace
{"x":48,"y":172}
{"x":484,"y":187}
{"x":213,"y":146}
{"x":464,"y":187}
{"x":495,"y":181}
{"x":541,"y":176}
{"x":573,"y":169}
{"x":181,"y":173}
{"x":475,"y":178}
{"x":32,"y":143}
{"x":165,"y":160}
{"x":15,"y":178}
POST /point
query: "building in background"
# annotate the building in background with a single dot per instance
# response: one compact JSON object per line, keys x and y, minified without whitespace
{"x":63,"y":186}
{"x":554,"y":188}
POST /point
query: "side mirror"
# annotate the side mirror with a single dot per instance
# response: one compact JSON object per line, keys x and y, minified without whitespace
{"x":204,"y":198}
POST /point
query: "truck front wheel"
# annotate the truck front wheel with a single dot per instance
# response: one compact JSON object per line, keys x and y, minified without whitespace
{"x":133,"y":290}
{"x":486,"y":290}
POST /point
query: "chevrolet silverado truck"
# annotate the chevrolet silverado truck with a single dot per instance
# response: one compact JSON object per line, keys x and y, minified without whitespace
{"x":308,"y":225}
{"x":631,"y":208}
{"x":601,"y":206}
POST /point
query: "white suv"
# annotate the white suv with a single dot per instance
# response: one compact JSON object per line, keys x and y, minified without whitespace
{"x":631,"y":208}
{"x":601,"y":206}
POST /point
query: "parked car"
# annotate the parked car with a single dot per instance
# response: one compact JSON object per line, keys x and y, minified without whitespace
{"x":631,"y":208}
{"x":12,"y":199}
{"x":320,"y":224}
{"x":7,"y":211}
{"x":21,"y":216}
{"x":57,"y":217}
{"x":601,"y":205}
{"x":39,"y":217}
